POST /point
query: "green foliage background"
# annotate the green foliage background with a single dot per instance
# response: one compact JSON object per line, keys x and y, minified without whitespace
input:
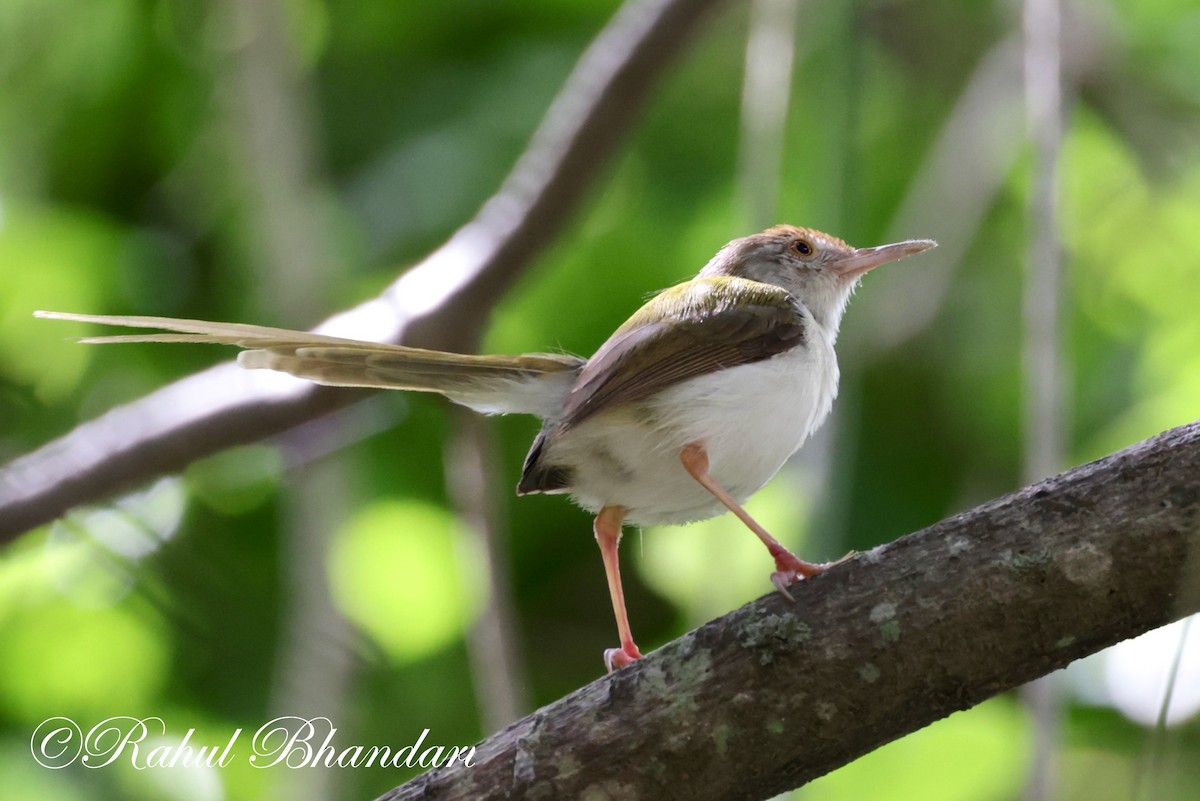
{"x":122,"y":191}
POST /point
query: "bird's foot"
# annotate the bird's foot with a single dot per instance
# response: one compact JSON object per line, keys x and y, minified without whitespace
{"x":790,"y":569}
{"x":617,"y":658}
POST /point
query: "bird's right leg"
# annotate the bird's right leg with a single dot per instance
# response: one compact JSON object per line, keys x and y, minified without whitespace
{"x":789,"y":568}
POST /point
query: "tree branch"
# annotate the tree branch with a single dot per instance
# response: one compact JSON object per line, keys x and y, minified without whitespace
{"x":775,"y":694}
{"x":441,"y":303}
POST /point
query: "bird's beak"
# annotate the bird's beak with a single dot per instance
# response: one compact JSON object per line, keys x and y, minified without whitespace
{"x":863,"y":260}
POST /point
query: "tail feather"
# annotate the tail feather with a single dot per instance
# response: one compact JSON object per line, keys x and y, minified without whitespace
{"x":534,"y":383}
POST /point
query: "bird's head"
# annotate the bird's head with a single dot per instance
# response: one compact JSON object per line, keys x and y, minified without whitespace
{"x":820,"y":270}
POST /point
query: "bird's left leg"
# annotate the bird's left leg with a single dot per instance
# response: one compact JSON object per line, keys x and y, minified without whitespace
{"x":789,"y":568}
{"x":608,"y":534}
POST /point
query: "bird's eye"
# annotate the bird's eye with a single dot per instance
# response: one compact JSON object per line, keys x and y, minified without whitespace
{"x":803,"y":247}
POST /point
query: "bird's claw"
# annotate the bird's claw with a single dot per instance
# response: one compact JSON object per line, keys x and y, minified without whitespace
{"x":617,"y":658}
{"x":791,"y":570}
{"x":782,"y":579}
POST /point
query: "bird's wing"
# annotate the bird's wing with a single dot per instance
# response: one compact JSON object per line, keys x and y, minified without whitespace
{"x":690,"y":330}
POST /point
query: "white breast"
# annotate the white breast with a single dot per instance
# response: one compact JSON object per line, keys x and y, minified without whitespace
{"x":751,"y":418}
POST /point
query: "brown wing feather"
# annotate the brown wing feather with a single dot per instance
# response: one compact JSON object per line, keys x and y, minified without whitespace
{"x":719,"y":323}
{"x":716,"y":323}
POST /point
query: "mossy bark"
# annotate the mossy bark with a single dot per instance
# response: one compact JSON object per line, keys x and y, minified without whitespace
{"x":776,"y":694}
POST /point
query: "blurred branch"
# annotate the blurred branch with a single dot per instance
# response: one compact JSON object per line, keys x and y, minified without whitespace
{"x":968,"y":164}
{"x":442,"y":302}
{"x":766,"y":92}
{"x":1044,"y":366}
{"x":493,"y":642}
{"x":775,"y":694}
{"x":266,"y":116}
{"x":948,"y":198}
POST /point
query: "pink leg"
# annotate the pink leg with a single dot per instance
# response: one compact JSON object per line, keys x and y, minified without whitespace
{"x":608,"y":535}
{"x":788,"y":567}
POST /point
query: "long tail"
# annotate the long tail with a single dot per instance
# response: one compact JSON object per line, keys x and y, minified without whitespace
{"x":534,"y":383}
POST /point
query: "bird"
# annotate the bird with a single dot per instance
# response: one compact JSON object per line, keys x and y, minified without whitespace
{"x":685,"y":411}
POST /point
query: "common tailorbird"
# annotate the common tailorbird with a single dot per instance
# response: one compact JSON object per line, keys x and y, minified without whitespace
{"x":687,"y":410}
